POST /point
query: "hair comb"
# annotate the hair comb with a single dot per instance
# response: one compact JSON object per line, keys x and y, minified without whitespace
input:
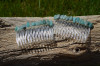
{"x":45,"y":33}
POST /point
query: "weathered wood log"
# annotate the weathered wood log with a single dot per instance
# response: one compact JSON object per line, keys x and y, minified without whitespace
{"x":11,"y":53}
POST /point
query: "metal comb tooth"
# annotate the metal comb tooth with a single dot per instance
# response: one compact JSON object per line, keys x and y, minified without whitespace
{"x":37,"y":35}
{"x":71,"y":30}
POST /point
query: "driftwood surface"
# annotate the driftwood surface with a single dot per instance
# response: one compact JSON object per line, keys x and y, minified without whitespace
{"x":76,"y":54}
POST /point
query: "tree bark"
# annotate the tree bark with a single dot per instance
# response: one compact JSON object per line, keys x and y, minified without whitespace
{"x":11,"y":54}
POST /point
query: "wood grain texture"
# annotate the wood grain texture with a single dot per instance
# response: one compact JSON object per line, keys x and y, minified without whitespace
{"x":10,"y":52}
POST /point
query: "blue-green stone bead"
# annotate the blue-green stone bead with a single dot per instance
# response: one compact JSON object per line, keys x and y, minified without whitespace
{"x":33,"y":24}
{"x":56,"y":16}
{"x":44,"y":21}
{"x":23,"y":26}
{"x":77,"y":19}
{"x":51,"y":23}
{"x":64,"y":17}
{"x":41,"y":23}
{"x":16,"y":28}
{"x":74,"y":19}
{"x":28,"y":24}
{"x":36,"y":23}
{"x":48,"y":22}
{"x":82,"y":22}
{"x":67,"y":18}
{"x":70,"y":18}
{"x":90,"y":25}
{"x":61,"y":17}
{"x":86,"y":23}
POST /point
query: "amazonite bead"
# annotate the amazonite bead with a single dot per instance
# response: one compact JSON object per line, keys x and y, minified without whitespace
{"x":90,"y":25}
{"x":61,"y":17}
{"x":77,"y":19}
{"x":56,"y":16}
{"x":44,"y":21}
{"x":20,"y":28}
{"x":36,"y":23}
{"x":70,"y":18}
{"x":67,"y":18}
{"x":28,"y":24}
{"x":51,"y":23}
{"x":33,"y":24}
{"x":82,"y":22}
{"x":47,"y":22}
{"x":64,"y":17}
{"x":16,"y":28}
{"x":86,"y":23}
{"x":74,"y":19}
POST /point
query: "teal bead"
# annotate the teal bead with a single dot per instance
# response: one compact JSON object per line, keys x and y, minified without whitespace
{"x":23,"y":26}
{"x":86,"y":23}
{"x":16,"y":28}
{"x":67,"y":18}
{"x":51,"y":24}
{"x":20,"y":27}
{"x":64,"y":17}
{"x":33,"y":24}
{"x":37,"y":23}
{"x":47,"y":22}
{"x":77,"y":19}
{"x":82,"y":22}
{"x":44,"y":21}
{"x":28,"y":24}
{"x":70,"y":18}
{"x":56,"y":16}
{"x":74,"y":19}
{"x":90,"y":25}
{"x":61,"y":17}
{"x":40,"y":23}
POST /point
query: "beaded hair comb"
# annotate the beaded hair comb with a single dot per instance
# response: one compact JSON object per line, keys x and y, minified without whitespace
{"x":73,"y":27}
{"x":46,"y":32}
